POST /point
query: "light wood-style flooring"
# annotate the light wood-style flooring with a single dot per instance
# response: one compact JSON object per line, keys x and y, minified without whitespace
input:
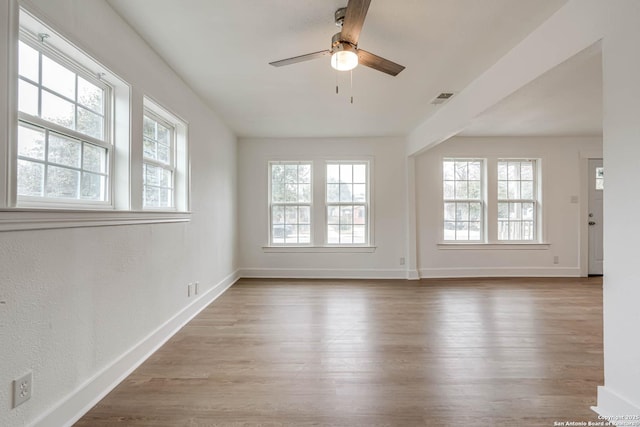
{"x":453,"y":352}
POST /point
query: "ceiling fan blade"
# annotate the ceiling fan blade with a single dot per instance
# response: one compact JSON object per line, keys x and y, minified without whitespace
{"x":353,"y":20}
{"x":378,"y":63}
{"x":301,"y":58}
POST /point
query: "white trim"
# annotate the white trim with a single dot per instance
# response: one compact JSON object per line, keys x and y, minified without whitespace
{"x":500,"y":272}
{"x":73,"y":406}
{"x":319,"y":249}
{"x":613,"y":407}
{"x":495,"y":246}
{"x":44,"y":219}
{"x":322,"y":273}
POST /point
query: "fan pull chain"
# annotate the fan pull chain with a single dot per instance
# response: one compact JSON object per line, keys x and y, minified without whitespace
{"x":336,"y":73}
{"x":351,"y":76}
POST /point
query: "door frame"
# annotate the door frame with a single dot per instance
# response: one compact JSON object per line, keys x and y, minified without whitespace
{"x":585,"y":156}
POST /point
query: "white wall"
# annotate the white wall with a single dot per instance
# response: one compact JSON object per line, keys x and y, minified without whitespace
{"x":560,"y":161}
{"x":388,"y":183}
{"x":73,"y":302}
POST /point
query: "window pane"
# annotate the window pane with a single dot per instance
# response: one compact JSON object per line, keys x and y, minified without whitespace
{"x":359,"y":234}
{"x":62,"y":182}
{"x":277,"y":192}
{"x":526,"y":171}
{"x":462,"y":211}
{"x":502,"y":190}
{"x":166,"y":179}
{"x":599,"y":178}
{"x":64,"y":151}
{"x":304,"y":173}
{"x":475,"y":211}
{"x":27,"y":98}
{"x":527,"y":211}
{"x":346,"y":193}
{"x":290,"y":192}
{"x":346,"y":234}
{"x":359,"y":192}
{"x":333,"y":234}
{"x":90,"y":95}
{"x":151,"y":197}
{"x":503,"y":210}
{"x":449,"y":189}
{"x":304,"y":215}
{"x":164,"y":134}
{"x":503,"y":230}
{"x":90,"y":123}
{"x":30,"y":178}
{"x":474,"y":171}
{"x":448,"y":170}
{"x":359,"y":215}
{"x":163,"y":153}
{"x":277,"y":214}
{"x":149,"y":148}
{"x":528,"y":230}
{"x":57,"y":110}
{"x":152,"y":175}
{"x":333,"y":193}
{"x":304,"y":193}
{"x":346,"y":215}
{"x":513,"y":190}
{"x":449,"y":211}
{"x":29,"y":62}
{"x":333,"y":215}
{"x":474,"y":230}
{"x":462,"y":190}
{"x":449,"y":230}
{"x":92,"y":186}
{"x":149,"y":128}
{"x":291,"y":215}
{"x":515,"y":228}
{"x":346,"y":173}
{"x":291,"y":233}
{"x":474,"y":190}
{"x":462,"y":231}
{"x":461,"y":171}
{"x":333,"y":173}
{"x":94,"y":158}
{"x":304,"y":234}
{"x":515,"y":210}
{"x":58,"y":78}
{"x":513,"y":170}
{"x":291,"y":173}
{"x":360,"y":174}
{"x":166,"y":199}
{"x":502,"y":171}
{"x":527,"y":190}
{"x":30,"y":142}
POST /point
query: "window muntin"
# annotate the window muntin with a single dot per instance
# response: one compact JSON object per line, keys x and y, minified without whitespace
{"x":158,"y":166}
{"x":517,"y":200}
{"x":63,"y":144}
{"x":463,"y":199}
{"x":347,"y":203}
{"x":290,"y":203}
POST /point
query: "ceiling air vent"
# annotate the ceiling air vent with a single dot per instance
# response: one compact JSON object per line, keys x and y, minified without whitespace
{"x":442,"y":98}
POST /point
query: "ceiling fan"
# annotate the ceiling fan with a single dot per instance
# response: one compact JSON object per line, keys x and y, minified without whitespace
{"x":345,"y":54}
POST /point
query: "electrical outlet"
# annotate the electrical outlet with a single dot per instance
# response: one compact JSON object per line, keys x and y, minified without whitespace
{"x":197,"y":287}
{"x":402,"y":261}
{"x":556,"y":259}
{"x":22,"y":389}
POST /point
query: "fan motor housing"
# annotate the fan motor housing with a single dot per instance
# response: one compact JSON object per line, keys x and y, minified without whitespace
{"x":339,"y":16}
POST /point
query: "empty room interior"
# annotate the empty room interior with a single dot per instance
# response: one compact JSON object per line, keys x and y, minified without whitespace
{"x":336,"y":213}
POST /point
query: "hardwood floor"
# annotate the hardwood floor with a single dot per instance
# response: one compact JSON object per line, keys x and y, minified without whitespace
{"x":472,"y":352}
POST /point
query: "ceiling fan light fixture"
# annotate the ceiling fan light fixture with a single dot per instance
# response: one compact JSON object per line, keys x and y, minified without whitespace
{"x":344,"y":57}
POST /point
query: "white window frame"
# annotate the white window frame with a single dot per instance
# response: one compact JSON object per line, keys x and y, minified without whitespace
{"x":31,"y":121}
{"x":170,"y":166}
{"x":521,"y":201}
{"x":125,"y":188}
{"x":284,"y":204}
{"x":366,"y":204}
{"x":482,"y":200}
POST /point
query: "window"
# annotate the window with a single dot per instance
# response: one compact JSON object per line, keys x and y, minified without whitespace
{"x":517,"y":204}
{"x":158,"y":164}
{"x":347,"y":202}
{"x":600,"y":178}
{"x":290,"y":203}
{"x":463,"y":199}
{"x":64,"y":149}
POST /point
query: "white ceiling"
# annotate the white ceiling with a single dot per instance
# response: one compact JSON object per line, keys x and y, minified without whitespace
{"x":222,"y":48}
{"x":565,"y":101}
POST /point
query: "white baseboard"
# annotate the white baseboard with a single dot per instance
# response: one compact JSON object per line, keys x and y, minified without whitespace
{"x":72,"y":407}
{"x":321,"y":273}
{"x":612,"y":407}
{"x":438,"y":273}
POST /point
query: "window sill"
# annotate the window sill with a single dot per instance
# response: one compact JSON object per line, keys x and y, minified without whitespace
{"x":43,"y":219}
{"x":319,"y":249}
{"x":495,"y":246}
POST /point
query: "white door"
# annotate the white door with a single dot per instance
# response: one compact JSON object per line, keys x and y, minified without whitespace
{"x":596,"y":187}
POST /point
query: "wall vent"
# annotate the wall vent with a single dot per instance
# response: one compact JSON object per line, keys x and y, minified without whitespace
{"x":442,"y":98}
